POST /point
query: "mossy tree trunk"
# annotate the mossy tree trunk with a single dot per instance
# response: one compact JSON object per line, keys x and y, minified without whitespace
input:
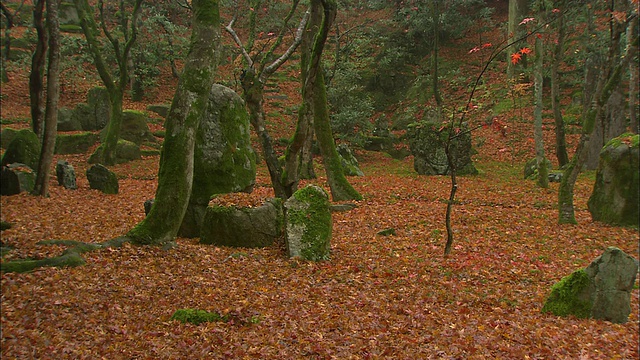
{"x":543,"y":172}
{"x":53,"y":94}
{"x":609,"y":79}
{"x":633,"y":78}
{"x":558,"y":56}
{"x":115,"y":86}
{"x":298,"y":157}
{"x":175,"y":177}
{"x":36,"y":77}
{"x":340,"y":187}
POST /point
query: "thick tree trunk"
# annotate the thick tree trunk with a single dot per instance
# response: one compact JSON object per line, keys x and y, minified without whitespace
{"x":558,"y":55}
{"x":543,"y":172}
{"x":190,"y":101}
{"x":36,"y":78}
{"x":53,"y":94}
{"x":113,"y":127}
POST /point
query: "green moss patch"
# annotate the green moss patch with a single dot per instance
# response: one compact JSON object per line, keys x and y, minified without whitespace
{"x":571,"y":296}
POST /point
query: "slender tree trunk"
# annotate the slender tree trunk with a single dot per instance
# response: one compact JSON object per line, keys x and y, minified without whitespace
{"x":175,"y":176}
{"x":36,"y":78}
{"x":53,"y":94}
{"x":253,"y":90}
{"x":517,"y":11}
{"x":113,"y":127}
{"x":452,"y":193}
{"x":338,"y":184}
{"x":543,"y":172}
{"x":558,"y":55}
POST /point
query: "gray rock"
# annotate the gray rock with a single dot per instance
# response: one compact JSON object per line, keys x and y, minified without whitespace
{"x":67,"y":120}
{"x":16,"y":178}
{"x":616,"y":193}
{"x":308,"y":224}
{"x":147,"y":206}
{"x":66,"y":175}
{"x":99,"y":109}
{"x":242,"y":227}
{"x":160,"y":109}
{"x":134,"y":128}
{"x":75,"y":143}
{"x":6,"y":136}
{"x":601,"y":291}
{"x":103,"y":179}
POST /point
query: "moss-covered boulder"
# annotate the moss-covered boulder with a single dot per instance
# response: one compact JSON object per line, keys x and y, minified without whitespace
{"x":235,"y":226}
{"x":16,"y":178}
{"x":134,"y":128}
{"x":126,"y":151}
{"x":75,"y":143}
{"x":68,"y":120}
{"x":7,"y":136}
{"x":427,"y":142}
{"x":601,"y":291}
{"x":349,"y":162}
{"x":308,"y":224}
{"x":160,"y":109}
{"x":224,"y":161}
{"x":103,"y":179}
{"x":24,"y":149}
{"x":98,"y":108}
{"x":615,"y":197}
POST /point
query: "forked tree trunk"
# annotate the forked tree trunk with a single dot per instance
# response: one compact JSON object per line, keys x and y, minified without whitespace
{"x":175,"y":176}
{"x":53,"y":94}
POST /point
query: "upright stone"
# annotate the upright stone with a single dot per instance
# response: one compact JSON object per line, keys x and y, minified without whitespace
{"x":601,"y":291}
{"x":224,"y":160}
{"x":616,"y":192}
{"x":66,"y":175}
{"x":308,"y":224}
{"x":103,"y":179}
{"x":99,"y":108}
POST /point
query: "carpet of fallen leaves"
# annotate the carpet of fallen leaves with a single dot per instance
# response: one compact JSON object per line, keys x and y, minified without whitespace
{"x":378,"y":297}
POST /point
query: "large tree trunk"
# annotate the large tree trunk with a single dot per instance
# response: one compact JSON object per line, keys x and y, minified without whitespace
{"x":558,"y":56}
{"x":633,"y":78}
{"x":36,"y":78}
{"x":543,"y":172}
{"x":190,"y":101}
{"x":53,"y":94}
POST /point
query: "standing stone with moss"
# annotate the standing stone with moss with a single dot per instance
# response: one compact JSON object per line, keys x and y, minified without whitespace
{"x":616,"y":191}
{"x":24,"y":148}
{"x":224,"y":161}
{"x":601,"y":291}
{"x":308,"y":224}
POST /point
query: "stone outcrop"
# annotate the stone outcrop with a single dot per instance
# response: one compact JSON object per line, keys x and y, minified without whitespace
{"x":66,"y":175}
{"x":24,"y":148}
{"x":16,"y":178}
{"x":103,"y":179}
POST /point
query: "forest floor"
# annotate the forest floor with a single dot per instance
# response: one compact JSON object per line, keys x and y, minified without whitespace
{"x":377,"y":297}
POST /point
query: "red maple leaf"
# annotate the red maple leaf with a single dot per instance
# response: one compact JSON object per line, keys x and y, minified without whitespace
{"x":515,"y":58}
{"x":525,"y":51}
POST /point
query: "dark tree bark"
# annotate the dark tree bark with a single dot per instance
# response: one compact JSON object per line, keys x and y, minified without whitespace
{"x":53,"y":94}
{"x":517,"y":11}
{"x":543,"y":180}
{"x":633,"y":78}
{"x":175,"y":176}
{"x":558,"y":56}
{"x":115,"y":86}
{"x":36,"y":78}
